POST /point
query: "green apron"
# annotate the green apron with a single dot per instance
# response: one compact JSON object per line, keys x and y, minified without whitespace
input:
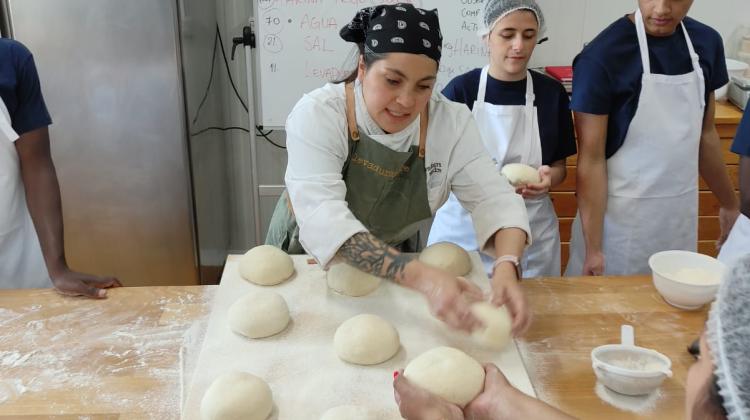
{"x":386,"y":190}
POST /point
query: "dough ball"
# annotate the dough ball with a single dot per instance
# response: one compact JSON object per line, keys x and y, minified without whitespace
{"x":519,"y":174}
{"x":447,"y":372}
{"x":366,"y":340}
{"x":349,"y":412}
{"x":350,"y":281}
{"x":497,"y":325}
{"x":266,"y":265}
{"x":237,"y":395}
{"x":259,"y":314}
{"x":447,"y":256}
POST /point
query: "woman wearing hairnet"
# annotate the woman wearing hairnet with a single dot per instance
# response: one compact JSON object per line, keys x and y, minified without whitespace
{"x":717,"y":387}
{"x":372,"y":157}
{"x":644,"y":113}
{"x":524,"y":117}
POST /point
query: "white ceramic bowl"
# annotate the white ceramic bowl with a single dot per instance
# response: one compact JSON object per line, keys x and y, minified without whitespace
{"x":736,"y":67}
{"x":668,"y":266}
{"x":630,"y":370}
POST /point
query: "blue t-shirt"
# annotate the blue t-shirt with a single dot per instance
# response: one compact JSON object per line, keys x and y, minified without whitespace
{"x":553,"y":107}
{"x":20,"y":88}
{"x":607,"y":73}
{"x":741,"y":144}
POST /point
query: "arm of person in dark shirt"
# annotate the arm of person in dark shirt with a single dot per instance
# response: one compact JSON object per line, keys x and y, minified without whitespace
{"x":44,"y":203}
{"x":713,"y":170}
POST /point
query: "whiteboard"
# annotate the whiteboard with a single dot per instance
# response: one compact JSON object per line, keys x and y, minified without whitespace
{"x":299,"y":48}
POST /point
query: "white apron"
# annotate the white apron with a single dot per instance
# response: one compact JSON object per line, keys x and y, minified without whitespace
{"x":738,"y":242}
{"x":511,"y":134}
{"x":652,"y":202}
{"x":21,"y":261}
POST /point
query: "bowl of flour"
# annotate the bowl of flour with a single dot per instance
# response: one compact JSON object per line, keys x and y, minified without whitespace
{"x":686,"y":280}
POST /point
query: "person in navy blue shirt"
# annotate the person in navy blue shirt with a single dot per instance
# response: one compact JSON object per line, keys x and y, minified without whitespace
{"x":738,"y":242}
{"x":643,"y":96}
{"x":523,"y":117}
{"x":741,"y":146}
{"x":32,"y":251}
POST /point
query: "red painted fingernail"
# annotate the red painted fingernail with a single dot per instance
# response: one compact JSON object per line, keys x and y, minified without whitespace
{"x":395,"y":374}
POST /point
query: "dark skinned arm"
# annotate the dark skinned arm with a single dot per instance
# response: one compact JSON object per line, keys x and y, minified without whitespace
{"x":44,"y":203}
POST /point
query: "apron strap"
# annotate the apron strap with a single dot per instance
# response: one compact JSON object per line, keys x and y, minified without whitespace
{"x":424,"y":119}
{"x":529,"y":108}
{"x":351,"y":112}
{"x":640,"y":28}
{"x":646,"y":59}
{"x":482,"y":85}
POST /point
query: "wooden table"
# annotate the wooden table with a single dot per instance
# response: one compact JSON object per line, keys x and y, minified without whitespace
{"x":127,"y":357}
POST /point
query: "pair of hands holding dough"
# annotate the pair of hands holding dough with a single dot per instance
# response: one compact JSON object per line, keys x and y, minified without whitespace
{"x":527,"y":181}
{"x":495,"y":402}
{"x":451,"y":298}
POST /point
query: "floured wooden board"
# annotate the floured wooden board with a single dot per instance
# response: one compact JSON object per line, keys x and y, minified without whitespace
{"x":300,"y":364}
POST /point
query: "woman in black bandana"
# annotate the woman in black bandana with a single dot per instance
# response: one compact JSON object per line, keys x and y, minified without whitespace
{"x":376,"y":155}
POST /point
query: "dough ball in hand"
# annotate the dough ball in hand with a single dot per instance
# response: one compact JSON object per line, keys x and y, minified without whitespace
{"x":259,"y":314}
{"x":496,"y":332}
{"x":351,"y":281}
{"x":237,"y":395}
{"x":519,"y":174}
{"x":266,"y":265}
{"x":447,"y":372}
{"x":447,"y":256}
{"x":366,"y":339}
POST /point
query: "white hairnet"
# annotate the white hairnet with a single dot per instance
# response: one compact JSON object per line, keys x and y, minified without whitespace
{"x":728,"y":333}
{"x":494,"y":10}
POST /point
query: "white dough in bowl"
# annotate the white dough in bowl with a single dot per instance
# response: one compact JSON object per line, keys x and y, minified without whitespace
{"x":237,"y":396}
{"x":447,"y":256}
{"x":519,"y":174}
{"x":258,"y":314}
{"x":448,"y":373}
{"x":349,"y":412}
{"x":697,"y":276}
{"x":366,"y":339}
{"x":351,"y":281}
{"x":266,"y":265}
{"x":495,"y":333}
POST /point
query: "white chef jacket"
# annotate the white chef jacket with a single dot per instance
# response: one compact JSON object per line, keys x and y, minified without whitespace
{"x":455,"y":161}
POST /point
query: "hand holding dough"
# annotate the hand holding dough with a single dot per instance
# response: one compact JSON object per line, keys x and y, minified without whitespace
{"x":519,"y":174}
{"x":448,"y":373}
{"x":496,"y":332}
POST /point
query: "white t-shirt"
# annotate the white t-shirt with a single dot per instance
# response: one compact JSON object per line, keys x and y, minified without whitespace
{"x":455,"y":161}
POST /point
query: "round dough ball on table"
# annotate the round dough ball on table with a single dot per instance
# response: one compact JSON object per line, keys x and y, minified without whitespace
{"x":266,"y":265}
{"x":448,"y":373}
{"x":495,"y":333}
{"x":237,"y":395}
{"x":447,"y":256}
{"x":366,"y":339}
{"x":259,"y":314}
{"x":519,"y":174}
{"x":351,"y":281}
{"x":349,"y":412}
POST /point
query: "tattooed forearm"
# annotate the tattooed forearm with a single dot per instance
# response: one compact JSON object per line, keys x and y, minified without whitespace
{"x":374,"y":256}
